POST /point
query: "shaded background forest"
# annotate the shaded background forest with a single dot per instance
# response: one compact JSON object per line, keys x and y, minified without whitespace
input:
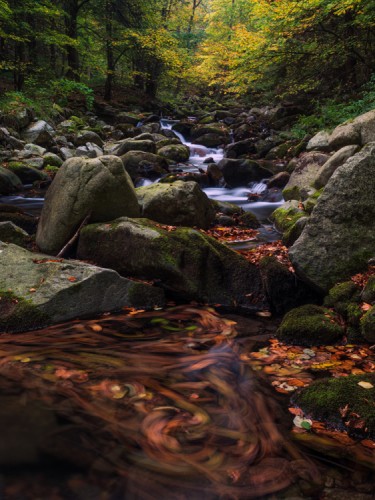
{"x":318,"y":52}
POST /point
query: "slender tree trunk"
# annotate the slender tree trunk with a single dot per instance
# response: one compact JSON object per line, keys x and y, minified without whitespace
{"x":109,"y":51}
{"x":72,"y":32}
{"x":19,"y":71}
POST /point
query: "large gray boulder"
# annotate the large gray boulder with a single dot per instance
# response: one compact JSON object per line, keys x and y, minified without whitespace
{"x":189,"y":264}
{"x":304,"y":175}
{"x":241,"y":172}
{"x":178,"y":204}
{"x":36,"y":290}
{"x":9,"y":181}
{"x":39,"y":132}
{"x":332,"y":164}
{"x":359,"y":131}
{"x":99,"y":188}
{"x":146,"y":145}
{"x":141,"y":164}
{"x":339,"y":237}
{"x":175,"y":152}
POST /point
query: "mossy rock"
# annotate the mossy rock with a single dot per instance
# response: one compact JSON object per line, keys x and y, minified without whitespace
{"x":189,"y":264}
{"x":283,"y":289}
{"x":10,"y":233}
{"x":292,"y":193}
{"x":286,"y":218}
{"x":310,"y":325}
{"x":341,"y":403}
{"x":226,"y":208}
{"x":368,"y":294}
{"x":368,"y":325}
{"x":175,"y":152}
{"x":18,"y":314}
{"x":26,"y":173}
{"x":249,"y":220}
{"x":341,"y":296}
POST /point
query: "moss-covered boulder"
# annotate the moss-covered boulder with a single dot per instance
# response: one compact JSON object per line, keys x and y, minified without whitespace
{"x":21,"y":219}
{"x":368,"y":294}
{"x":304,"y":175}
{"x":249,"y":220}
{"x":52,"y":160}
{"x":333,"y":163}
{"x":147,"y":146}
{"x":39,"y":132}
{"x":346,"y":403}
{"x":241,"y":172}
{"x":10,"y":233}
{"x":36,"y":290}
{"x":341,"y":296}
{"x":96,"y":188}
{"x":310,"y":325}
{"x":26,"y":173}
{"x":368,"y":325}
{"x":180,"y":204}
{"x":283,"y":290}
{"x":141,"y":164}
{"x":9,"y":181}
{"x":339,"y":237}
{"x":286,"y":220}
{"x":175,"y":152}
{"x":186,"y":262}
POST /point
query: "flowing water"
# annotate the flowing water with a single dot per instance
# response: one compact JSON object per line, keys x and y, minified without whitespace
{"x":158,"y":405}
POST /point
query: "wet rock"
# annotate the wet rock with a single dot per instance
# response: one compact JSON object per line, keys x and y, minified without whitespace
{"x":333,"y":163}
{"x":310,"y":325}
{"x":52,"y":159}
{"x":304,"y":175}
{"x":14,"y":214}
{"x":283,"y":290}
{"x":175,"y":152}
{"x":10,"y":233}
{"x":339,"y":237}
{"x":37,"y":291}
{"x":9,"y":182}
{"x":180,"y":204}
{"x":147,"y":146}
{"x":99,"y":188}
{"x":88,"y":136}
{"x":189,"y":264}
{"x":90,"y":150}
{"x":147,"y":165}
{"x":26,"y":173}
{"x":279,"y":180}
{"x":40,"y":133}
{"x":320,"y":142}
{"x":241,"y":172}
{"x":239,"y":148}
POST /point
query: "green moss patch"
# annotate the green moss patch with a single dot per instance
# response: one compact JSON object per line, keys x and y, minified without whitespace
{"x":310,"y":325}
{"x":342,"y":403}
{"x":18,"y":314}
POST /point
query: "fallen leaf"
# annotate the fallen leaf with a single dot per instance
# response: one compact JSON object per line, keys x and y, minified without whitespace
{"x":365,"y":385}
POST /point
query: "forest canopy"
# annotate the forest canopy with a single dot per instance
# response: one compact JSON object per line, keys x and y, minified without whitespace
{"x":278,"y":48}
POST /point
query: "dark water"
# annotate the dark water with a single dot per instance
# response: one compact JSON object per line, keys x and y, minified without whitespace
{"x":160,"y":404}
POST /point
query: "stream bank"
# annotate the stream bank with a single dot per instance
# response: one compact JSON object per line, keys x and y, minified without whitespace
{"x":280,"y":285}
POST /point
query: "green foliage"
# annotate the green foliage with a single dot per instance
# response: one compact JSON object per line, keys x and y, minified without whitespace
{"x":332,"y":112}
{"x":65,"y":89}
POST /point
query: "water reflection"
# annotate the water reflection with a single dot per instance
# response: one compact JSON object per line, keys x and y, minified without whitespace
{"x":157,"y":405}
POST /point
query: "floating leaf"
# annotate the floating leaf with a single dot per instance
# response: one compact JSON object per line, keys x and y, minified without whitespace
{"x":365,"y":385}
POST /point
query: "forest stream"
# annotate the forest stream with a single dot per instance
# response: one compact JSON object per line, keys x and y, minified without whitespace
{"x":166,"y":404}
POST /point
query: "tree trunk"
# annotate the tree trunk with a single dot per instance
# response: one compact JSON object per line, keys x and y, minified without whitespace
{"x":72,"y":32}
{"x":109,"y":51}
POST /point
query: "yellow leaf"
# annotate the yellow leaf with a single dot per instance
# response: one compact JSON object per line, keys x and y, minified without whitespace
{"x":365,"y":385}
